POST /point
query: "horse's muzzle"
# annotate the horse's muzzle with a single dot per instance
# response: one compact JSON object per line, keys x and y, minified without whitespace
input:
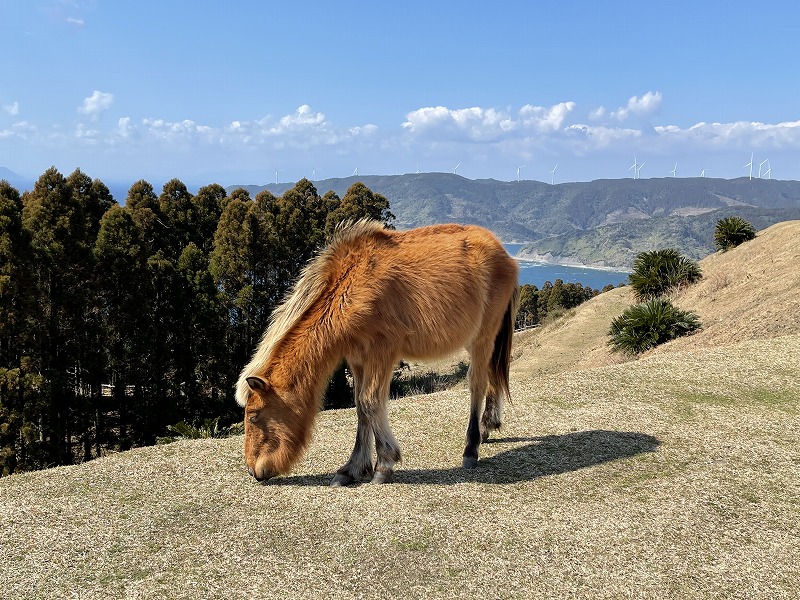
{"x":261,"y":476}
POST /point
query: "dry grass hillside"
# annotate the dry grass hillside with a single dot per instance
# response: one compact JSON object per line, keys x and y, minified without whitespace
{"x":749,"y":292}
{"x":676,"y":475}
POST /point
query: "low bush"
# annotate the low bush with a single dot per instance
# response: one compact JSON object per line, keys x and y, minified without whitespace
{"x":210,"y":428}
{"x":649,"y":324}
{"x":658,"y":272}
{"x":732,"y":231}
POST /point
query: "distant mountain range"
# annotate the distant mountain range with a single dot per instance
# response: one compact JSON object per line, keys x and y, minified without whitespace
{"x":606,"y":222}
{"x":15,"y":179}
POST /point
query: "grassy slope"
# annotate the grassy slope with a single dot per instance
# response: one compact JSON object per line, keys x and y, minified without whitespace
{"x":676,"y":475}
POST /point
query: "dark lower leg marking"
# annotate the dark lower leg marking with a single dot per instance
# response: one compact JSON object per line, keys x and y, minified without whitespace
{"x":470,"y":457}
{"x":359,"y":466}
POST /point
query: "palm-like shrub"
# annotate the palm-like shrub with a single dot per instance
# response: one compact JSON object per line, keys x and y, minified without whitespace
{"x":732,"y":231}
{"x":649,"y":324}
{"x":657,"y":272}
{"x":210,"y":428}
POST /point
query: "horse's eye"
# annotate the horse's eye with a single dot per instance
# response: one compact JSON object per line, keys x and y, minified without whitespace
{"x":253,"y":417}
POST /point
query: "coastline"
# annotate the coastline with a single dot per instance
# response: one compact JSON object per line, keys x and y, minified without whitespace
{"x":568,"y":261}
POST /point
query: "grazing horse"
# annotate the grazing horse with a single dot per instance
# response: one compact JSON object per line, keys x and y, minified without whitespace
{"x":372,"y":297}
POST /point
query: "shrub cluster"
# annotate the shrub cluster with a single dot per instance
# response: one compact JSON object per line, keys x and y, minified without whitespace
{"x":659,"y":272}
{"x":732,"y":231}
{"x":649,"y":324}
{"x":655,"y":319}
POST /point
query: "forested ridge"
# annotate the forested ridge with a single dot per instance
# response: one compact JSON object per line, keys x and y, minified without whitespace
{"x":117,"y":321}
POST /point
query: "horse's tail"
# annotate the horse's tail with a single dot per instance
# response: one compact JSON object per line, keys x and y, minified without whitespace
{"x":501,"y":356}
{"x":498,"y":389}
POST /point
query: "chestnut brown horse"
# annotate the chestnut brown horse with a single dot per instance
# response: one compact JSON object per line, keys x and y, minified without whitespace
{"x":372,"y":297}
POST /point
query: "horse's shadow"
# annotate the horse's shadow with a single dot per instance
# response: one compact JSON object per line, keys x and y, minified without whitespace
{"x":538,"y":457}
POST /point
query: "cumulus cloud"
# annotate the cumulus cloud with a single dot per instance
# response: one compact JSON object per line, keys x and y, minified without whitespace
{"x":12,"y":109}
{"x":174,"y":130}
{"x":740,"y":134}
{"x":96,"y":104}
{"x":546,"y":119}
{"x":642,"y":107}
{"x":473,"y":123}
{"x":124,"y":127}
{"x":478,"y":124}
{"x":477,"y":134}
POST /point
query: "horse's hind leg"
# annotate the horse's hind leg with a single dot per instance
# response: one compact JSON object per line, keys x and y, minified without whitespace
{"x":478,"y":381}
{"x":492,"y":417}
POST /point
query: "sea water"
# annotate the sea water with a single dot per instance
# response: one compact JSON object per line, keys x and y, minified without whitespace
{"x":536,"y":273}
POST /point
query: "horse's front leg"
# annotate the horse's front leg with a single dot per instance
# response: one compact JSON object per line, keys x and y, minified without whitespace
{"x":360,"y":464}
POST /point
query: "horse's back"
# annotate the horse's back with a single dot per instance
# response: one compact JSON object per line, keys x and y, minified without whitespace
{"x":429,"y":289}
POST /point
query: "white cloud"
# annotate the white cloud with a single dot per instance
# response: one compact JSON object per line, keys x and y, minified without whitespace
{"x":475,"y":123}
{"x":476,"y":135}
{"x":12,"y":109}
{"x":75,"y":22}
{"x":740,"y":134}
{"x":88,"y":134}
{"x":598,"y":113}
{"x":478,"y":124}
{"x":642,"y":107}
{"x":96,"y":104}
{"x":595,"y":137}
{"x":124,"y":127}
{"x":546,"y":119}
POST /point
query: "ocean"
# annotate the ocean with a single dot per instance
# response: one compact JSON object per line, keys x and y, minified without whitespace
{"x":535,"y":273}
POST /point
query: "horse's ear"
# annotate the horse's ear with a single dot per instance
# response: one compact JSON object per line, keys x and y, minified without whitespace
{"x":257,"y":384}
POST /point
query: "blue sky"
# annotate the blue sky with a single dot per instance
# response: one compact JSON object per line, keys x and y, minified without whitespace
{"x":233,"y":92}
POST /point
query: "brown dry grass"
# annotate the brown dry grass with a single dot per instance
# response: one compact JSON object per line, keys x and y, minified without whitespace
{"x":673,"y":476}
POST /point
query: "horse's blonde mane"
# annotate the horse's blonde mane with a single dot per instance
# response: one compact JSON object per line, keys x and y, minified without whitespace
{"x":311,"y":284}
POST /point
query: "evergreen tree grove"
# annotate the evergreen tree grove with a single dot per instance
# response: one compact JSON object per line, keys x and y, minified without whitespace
{"x":119,"y":321}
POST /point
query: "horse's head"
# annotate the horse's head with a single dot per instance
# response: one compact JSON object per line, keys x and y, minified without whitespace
{"x":275,"y":436}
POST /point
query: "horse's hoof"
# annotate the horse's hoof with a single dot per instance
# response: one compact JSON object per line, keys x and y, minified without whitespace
{"x":381,"y":477}
{"x":469,"y":462}
{"x":341,"y":480}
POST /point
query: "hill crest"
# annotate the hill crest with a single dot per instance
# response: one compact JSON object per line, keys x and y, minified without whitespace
{"x":750,"y":292}
{"x":605,"y":222}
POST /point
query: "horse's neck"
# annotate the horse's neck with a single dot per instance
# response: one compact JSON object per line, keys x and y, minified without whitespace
{"x":305,"y":360}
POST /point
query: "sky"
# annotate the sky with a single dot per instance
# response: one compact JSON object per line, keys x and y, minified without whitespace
{"x":250,"y":92}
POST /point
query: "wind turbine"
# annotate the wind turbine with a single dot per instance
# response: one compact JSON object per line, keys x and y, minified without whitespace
{"x":518,"y":170}
{"x":456,"y":169}
{"x":750,"y":164}
{"x":761,"y":164}
{"x":553,"y":175}
{"x":675,"y":170}
{"x":768,"y":172}
{"x":703,"y":173}
{"x":638,"y":170}
{"x":355,"y":172}
{"x":313,"y":174}
{"x":276,"y":175}
{"x":634,"y":167}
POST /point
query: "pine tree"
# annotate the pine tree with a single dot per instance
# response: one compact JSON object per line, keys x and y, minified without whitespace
{"x":359,"y":202}
{"x":18,"y":379}
{"x":61,"y":221}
